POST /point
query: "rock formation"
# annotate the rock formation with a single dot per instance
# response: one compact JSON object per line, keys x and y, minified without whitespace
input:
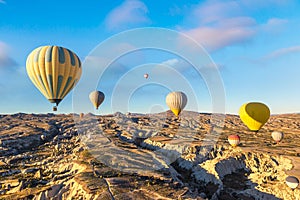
{"x":157,"y":156}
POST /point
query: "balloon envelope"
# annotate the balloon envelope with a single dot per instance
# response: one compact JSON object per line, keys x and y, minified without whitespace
{"x":254,"y":115}
{"x":81,"y":115}
{"x":277,"y":136}
{"x":176,"y":101}
{"x":54,"y":71}
{"x":292,"y":182}
{"x":96,"y":98}
{"x":234,"y":140}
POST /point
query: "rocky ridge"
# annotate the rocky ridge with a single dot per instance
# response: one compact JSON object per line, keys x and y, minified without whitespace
{"x":136,"y":156}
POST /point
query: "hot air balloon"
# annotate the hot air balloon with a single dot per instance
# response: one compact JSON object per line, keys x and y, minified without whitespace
{"x":234,"y":140}
{"x":146,"y":76}
{"x":292,"y":182}
{"x":81,"y":115}
{"x":54,"y":71}
{"x":254,"y":115}
{"x":277,"y":136}
{"x":96,"y":98}
{"x":176,"y":102}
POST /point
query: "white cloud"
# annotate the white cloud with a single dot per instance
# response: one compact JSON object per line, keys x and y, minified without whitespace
{"x":6,"y":61}
{"x":236,"y":22}
{"x":214,"y":38}
{"x":170,"y":62}
{"x":213,"y":11}
{"x":220,"y":24}
{"x":103,"y":63}
{"x":178,"y":64}
{"x":257,"y":4}
{"x":181,"y":66}
{"x":282,"y":52}
{"x":276,"y":22}
{"x":124,"y":53}
{"x":274,"y":25}
{"x":171,"y":67}
{"x":129,"y":14}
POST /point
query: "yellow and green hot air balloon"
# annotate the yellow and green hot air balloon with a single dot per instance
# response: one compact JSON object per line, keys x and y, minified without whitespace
{"x":254,"y":115}
{"x":54,"y":71}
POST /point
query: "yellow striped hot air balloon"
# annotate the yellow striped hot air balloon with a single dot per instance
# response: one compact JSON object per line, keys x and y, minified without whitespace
{"x":254,"y":115}
{"x":54,"y":71}
{"x":176,"y":102}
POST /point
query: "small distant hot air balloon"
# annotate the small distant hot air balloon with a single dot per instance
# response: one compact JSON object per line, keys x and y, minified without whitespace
{"x":254,"y":115}
{"x":146,"y":76}
{"x":43,"y":137}
{"x":176,"y":102}
{"x":277,"y":136}
{"x":81,"y":115}
{"x":292,"y":182}
{"x":96,"y":98}
{"x":234,"y":140}
{"x":54,"y":71}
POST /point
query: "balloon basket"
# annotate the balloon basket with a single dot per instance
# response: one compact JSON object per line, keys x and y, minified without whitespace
{"x":54,"y":108}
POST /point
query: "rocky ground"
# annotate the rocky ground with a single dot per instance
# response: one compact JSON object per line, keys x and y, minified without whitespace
{"x":156,"y":156}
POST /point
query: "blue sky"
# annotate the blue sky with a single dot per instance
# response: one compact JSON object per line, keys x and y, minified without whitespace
{"x":255,"y":45}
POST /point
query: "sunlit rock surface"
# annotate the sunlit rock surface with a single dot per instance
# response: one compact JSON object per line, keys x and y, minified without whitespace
{"x":136,"y":156}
